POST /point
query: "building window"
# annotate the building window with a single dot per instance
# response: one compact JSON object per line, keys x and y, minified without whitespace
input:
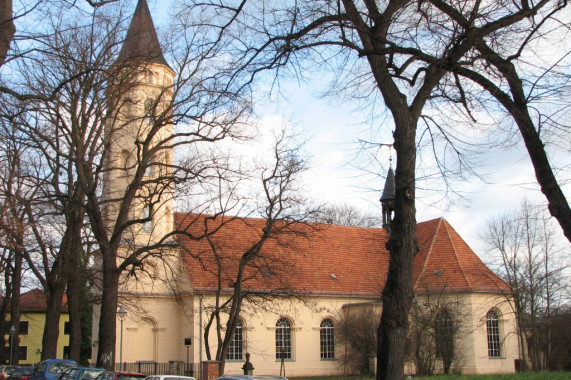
{"x":236,"y":348}
{"x":149,"y":111}
{"x":24,"y":325}
{"x":283,"y":339}
{"x":444,"y":335}
{"x":327,"y":339}
{"x":22,"y":353}
{"x":66,"y":351}
{"x":66,"y":328}
{"x":493,"y":332}
{"x":147,"y":214}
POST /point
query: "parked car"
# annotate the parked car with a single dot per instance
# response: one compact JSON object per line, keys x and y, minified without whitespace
{"x":119,"y":375}
{"x":251,"y":377}
{"x":169,"y":377}
{"x":51,"y":369}
{"x":6,"y":370}
{"x":81,"y":373}
{"x":21,"y":373}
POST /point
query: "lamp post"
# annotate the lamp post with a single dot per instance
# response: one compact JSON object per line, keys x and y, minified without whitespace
{"x":12,"y":331}
{"x":122,"y":314}
{"x":187,"y":343}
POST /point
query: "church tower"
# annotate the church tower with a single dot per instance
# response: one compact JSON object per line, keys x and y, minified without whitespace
{"x":139,"y":130}
{"x":388,"y":200}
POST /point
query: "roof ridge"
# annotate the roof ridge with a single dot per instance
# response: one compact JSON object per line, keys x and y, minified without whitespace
{"x":456,"y":254}
{"x":429,"y":251}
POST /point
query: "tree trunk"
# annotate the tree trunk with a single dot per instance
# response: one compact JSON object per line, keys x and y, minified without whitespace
{"x":7,"y":28}
{"x":73,"y":290}
{"x":108,"y":317}
{"x":15,"y":306}
{"x":53,"y":313}
{"x":402,"y":245}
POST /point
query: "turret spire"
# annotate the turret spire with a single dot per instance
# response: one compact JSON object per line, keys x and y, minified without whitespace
{"x":141,"y":43}
{"x":388,"y":199}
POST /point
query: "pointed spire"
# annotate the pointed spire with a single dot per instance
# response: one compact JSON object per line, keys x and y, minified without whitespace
{"x":141,"y":43}
{"x":389,"y":190}
{"x":388,"y":200}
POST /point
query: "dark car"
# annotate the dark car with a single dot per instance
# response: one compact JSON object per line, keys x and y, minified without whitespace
{"x":119,"y":375}
{"x":81,"y":373}
{"x":52,"y":369}
{"x":6,"y":370}
{"x":21,"y":373}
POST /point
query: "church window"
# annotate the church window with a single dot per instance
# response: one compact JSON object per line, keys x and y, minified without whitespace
{"x":147,"y":214}
{"x":327,"y":339}
{"x":149,"y":77}
{"x":149,"y":170}
{"x":493,"y":332}
{"x":124,"y":159}
{"x":149,"y":111}
{"x":283,"y":339}
{"x":236,"y":348}
{"x":444,"y":335}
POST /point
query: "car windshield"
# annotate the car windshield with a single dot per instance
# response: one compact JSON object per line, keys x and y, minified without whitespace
{"x":22,"y":371}
{"x":59,"y":367}
{"x":130,"y":377}
{"x":91,"y":373}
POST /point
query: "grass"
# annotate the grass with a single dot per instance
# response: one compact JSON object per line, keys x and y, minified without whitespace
{"x":543,"y":375}
{"x":514,"y":376}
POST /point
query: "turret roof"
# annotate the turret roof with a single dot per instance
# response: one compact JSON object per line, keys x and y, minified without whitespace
{"x":142,"y":43}
{"x":389,"y":190}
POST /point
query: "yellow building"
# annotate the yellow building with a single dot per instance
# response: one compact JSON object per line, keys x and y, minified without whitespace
{"x":300,"y":288}
{"x":32,"y":322}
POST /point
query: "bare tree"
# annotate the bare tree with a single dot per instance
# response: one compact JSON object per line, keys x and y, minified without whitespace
{"x":357,"y":334}
{"x":408,"y":49}
{"x":534,"y":269}
{"x":346,"y":215}
{"x":438,"y":321}
{"x":278,"y":220}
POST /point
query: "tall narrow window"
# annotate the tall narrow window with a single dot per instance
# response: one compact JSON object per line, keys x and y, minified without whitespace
{"x":236,"y":348}
{"x":493,"y":331}
{"x":283,"y":339}
{"x":149,"y":111}
{"x":444,"y":335}
{"x":147,"y":214}
{"x":327,"y":339}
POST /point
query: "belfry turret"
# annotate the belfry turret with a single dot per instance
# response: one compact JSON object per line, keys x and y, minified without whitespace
{"x":388,"y":199}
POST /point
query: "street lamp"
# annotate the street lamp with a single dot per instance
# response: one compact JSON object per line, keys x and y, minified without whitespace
{"x":12,"y":331}
{"x":122,"y":314}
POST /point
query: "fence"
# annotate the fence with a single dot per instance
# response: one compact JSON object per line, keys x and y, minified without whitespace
{"x":170,"y":368}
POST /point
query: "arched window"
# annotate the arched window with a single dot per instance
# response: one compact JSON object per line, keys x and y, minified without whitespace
{"x":327,"y":339}
{"x":124,"y":159}
{"x":149,"y":118}
{"x":147,"y":214}
{"x":283,"y":339}
{"x":236,"y":348}
{"x":493,"y":332}
{"x":444,"y":335}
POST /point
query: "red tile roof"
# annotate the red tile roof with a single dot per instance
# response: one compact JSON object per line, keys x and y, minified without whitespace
{"x":35,"y":301}
{"x":328,"y":259}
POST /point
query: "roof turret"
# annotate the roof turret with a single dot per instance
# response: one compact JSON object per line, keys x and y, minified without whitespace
{"x":389,"y":190}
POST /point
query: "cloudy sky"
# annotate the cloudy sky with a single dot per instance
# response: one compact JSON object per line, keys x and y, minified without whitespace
{"x":333,"y":130}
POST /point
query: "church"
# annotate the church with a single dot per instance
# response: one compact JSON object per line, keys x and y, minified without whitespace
{"x":303,"y":287}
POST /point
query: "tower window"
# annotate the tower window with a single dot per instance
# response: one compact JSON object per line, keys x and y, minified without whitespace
{"x":147,"y":214}
{"x":149,"y":117}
